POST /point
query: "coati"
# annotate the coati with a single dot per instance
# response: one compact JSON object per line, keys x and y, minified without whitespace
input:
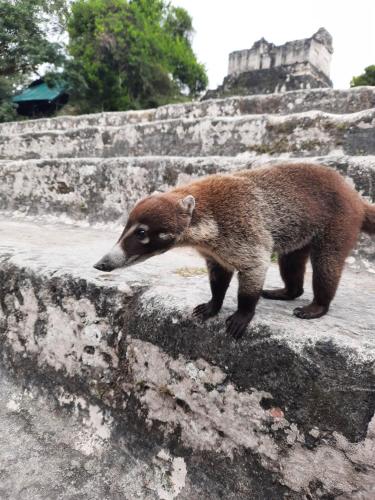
{"x":236,"y":221}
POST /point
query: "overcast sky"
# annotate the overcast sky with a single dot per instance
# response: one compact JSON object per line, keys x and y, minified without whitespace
{"x":222,"y":26}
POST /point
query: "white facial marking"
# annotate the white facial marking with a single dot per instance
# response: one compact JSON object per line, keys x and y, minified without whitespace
{"x":117,"y":256}
{"x":166,"y":236}
{"x":130,"y":231}
{"x":133,"y":228}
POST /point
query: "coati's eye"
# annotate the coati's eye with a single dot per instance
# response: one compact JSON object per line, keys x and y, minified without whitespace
{"x":140,"y":233}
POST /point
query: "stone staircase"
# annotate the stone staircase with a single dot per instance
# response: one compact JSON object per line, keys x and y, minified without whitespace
{"x":286,"y":412}
{"x":301,"y":134}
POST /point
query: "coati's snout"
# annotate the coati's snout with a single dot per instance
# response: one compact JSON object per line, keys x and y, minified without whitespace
{"x":112,"y":260}
{"x":154,"y":226}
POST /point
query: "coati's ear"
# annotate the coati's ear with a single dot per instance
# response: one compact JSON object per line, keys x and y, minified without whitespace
{"x":187,"y":204}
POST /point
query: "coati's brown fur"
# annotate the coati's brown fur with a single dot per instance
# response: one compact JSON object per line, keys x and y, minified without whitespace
{"x":236,"y":221}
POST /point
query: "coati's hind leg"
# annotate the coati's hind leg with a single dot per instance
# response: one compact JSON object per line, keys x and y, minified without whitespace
{"x":328,"y":260}
{"x":292,"y":269}
{"x":219,"y":281}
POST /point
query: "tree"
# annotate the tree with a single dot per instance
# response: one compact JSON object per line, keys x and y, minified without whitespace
{"x":24,"y":45}
{"x":7,"y":110}
{"x":367,"y":78}
{"x":129,"y":54}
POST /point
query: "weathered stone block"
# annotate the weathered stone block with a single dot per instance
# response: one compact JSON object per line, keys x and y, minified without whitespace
{"x":282,"y":412}
{"x":327,"y":99}
{"x":287,"y":412}
{"x":302,"y":134}
{"x":104,"y":190}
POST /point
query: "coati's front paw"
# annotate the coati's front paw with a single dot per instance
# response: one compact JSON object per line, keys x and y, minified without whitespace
{"x":205,"y":311}
{"x":311,"y":311}
{"x":237,"y":323}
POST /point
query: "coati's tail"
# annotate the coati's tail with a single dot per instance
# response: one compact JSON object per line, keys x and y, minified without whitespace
{"x":368,"y":224}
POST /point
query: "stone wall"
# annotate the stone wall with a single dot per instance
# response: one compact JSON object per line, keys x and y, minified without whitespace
{"x":301,"y":75}
{"x":316,"y":50}
{"x":169,"y":408}
{"x":267,"y":68}
{"x":306,"y":134}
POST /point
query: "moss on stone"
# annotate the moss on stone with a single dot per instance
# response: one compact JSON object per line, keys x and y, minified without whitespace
{"x":188,"y":272}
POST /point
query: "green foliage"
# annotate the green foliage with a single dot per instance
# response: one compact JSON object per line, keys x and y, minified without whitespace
{"x":24,"y":45}
{"x":7,"y":110}
{"x":367,"y":78}
{"x":123,"y":54}
{"x":129,"y":54}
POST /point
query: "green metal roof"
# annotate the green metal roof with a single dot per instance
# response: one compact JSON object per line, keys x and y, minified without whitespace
{"x":40,"y":92}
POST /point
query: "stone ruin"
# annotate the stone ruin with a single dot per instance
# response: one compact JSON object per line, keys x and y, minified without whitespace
{"x":267,"y":68}
{"x":127,"y":397}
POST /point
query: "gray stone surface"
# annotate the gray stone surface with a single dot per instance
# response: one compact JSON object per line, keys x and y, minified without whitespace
{"x":288,"y":411}
{"x":329,"y":100}
{"x":302,"y":134}
{"x":96,"y":190}
{"x":47,"y":453}
{"x":118,"y":392}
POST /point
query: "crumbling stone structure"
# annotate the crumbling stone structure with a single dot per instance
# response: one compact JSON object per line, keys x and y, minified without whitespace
{"x":127,"y":396}
{"x":267,"y":68}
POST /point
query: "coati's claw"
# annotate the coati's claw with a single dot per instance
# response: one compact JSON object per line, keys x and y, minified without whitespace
{"x":311,"y":311}
{"x":236,"y":324}
{"x":281,"y":294}
{"x":205,"y":311}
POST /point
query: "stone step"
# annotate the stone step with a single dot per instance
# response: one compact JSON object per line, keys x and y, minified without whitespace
{"x":97,"y":190}
{"x":329,"y":100}
{"x":49,"y":453}
{"x":302,"y":134}
{"x":287,"y":411}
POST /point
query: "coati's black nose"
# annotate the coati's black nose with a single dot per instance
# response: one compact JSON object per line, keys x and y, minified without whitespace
{"x":99,"y":266}
{"x":104,"y":265}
